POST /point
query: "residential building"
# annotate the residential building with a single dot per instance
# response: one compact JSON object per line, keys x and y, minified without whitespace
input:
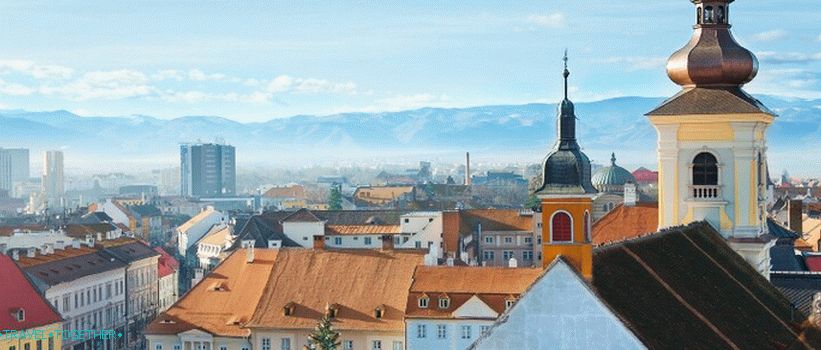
{"x":610,"y":181}
{"x":450,"y":307}
{"x":189,"y":233}
{"x":26,"y":312}
{"x":140,"y":284}
{"x":498,"y":235}
{"x":168,"y":279}
{"x":211,"y":248}
{"x":14,"y":168}
{"x":53,"y":181}
{"x":208,"y":170}
{"x":86,"y":285}
{"x":146,"y":220}
{"x":379,"y":196}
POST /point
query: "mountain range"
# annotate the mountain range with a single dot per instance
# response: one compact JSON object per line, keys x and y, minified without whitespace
{"x":507,"y":133}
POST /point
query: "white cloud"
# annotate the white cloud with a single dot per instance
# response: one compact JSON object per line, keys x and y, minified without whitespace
{"x":404,"y":102}
{"x":37,"y":71}
{"x":636,"y":63}
{"x":14,"y":89}
{"x":787,"y":57}
{"x":789,"y":82}
{"x":198,"y":75}
{"x":107,"y":85}
{"x":553,"y":20}
{"x":771,"y":35}
{"x":818,"y":38}
{"x":168,"y":74}
{"x":286,"y":83}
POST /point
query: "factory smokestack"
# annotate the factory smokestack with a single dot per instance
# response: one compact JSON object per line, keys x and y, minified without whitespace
{"x":467,"y":168}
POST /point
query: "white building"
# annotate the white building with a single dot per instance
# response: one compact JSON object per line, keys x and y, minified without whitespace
{"x":168,"y":279}
{"x":212,"y":246}
{"x":194,"y":229}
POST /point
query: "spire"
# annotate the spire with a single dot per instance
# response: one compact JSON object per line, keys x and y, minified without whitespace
{"x":613,"y":158}
{"x":566,"y":114}
{"x":566,"y":74}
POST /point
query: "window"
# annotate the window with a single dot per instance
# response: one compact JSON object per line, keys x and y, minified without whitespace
{"x":560,"y":228}
{"x":397,"y":345}
{"x":528,"y":240}
{"x":423,"y":302}
{"x":244,"y":347}
{"x":507,"y":255}
{"x":421,"y":331}
{"x":285,"y":344}
{"x":338,"y":240}
{"x":538,"y":225}
{"x":27,"y":346}
{"x":488,"y":255}
{"x":708,"y":15}
{"x":376,"y":345}
{"x":441,"y":331}
{"x":51,"y":343}
{"x":485,"y":329}
{"x":508,"y":240}
{"x":587,"y":226}
{"x":489,"y":239}
{"x":509,"y":303}
{"x":266,"y":344}
{"x":444,"y":303}
{"x":368,"y":240}
{"x":466,"y":332}
{"x":705,"y":170}
{"x":347,"y":345}
{"x":21,"y":315}
{"x":527,"y":255}
{"x":39,"y":345}
{"x":158,"y":347}
{"x":418,"y":244}
{"x":177,"y":347}
{"x":223,"y":347}
{"x":76,"y":300}
{"x":407,"y":220}
{"x":66,"y":302}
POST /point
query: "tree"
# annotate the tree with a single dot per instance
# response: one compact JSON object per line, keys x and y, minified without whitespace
{"x":324,"y":337}
{"x":532,"y":202}
{"x":335,"y":198}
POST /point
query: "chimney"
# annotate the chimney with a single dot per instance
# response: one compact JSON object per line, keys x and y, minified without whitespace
{"x":60,"y":245}
{"x":467,"y":168}
{"x":630,"y":195}
{"x":99,"y":236}
{"x":512,"y":263}
{"x":249,"y":254}
{"x":794,"y":208}
{"x":30,"y":252}
{"x":319,"y":242}
{"x":387,"y":242}
{"x":450,"y":261}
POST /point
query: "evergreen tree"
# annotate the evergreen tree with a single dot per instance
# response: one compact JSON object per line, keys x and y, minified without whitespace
{"x":335,"y":198}
{"x":324,"y":337}
{"x":533,"y":202}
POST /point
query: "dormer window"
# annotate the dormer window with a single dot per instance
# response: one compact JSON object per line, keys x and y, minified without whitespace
{"x":509,"y":302}
{"x":379,"y":312}
{"x":288,"y":309}
{"x":423,"y":302}
{"x":444,"y":302}
{"x":332,"y":310}
{"x":20,"y":315}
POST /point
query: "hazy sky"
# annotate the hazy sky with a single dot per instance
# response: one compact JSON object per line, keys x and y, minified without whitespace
{"x":254,"y":61}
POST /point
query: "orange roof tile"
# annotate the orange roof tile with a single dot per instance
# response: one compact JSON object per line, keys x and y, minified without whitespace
{"x":450,"y":232}
{"x":358,"y":281}
{"x":9,"y":230}
{"x":496,"y":220}
{"x":811,"y":235}
{"x":218,"y":235}
{"x":624,"y":222}
{"x":59,"y":254}
{"x":221,"y":312}
{"x":362,"y":229}
{"x":293,"y":191}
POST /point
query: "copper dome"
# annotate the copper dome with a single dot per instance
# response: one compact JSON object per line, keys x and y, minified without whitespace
{"x":712,"y":57}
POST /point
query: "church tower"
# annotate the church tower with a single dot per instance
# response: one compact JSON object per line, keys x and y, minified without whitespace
{"x":711,"y":138}
{"x":566,"y":194}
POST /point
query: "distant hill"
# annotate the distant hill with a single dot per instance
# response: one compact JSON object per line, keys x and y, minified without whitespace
{"x":504,"y":132}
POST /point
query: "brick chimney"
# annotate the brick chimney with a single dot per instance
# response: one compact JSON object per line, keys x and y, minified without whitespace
{"x":319,"y":242}
{"x":249,"y":254}
{"x":794,"y":208}
{"x":387,"y":242}
{"x":630,"y":195}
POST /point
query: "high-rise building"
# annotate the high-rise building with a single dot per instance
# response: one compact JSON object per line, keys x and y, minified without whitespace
{"x":53,"y":181}
{"x":14,"y":167}
{"x":207,"y":170}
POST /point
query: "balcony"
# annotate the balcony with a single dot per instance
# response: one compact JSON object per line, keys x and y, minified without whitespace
{"x":705,"y":192}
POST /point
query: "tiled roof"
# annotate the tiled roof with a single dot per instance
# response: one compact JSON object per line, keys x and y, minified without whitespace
{"x":703,"y":100}
{"x":625,"y":222}
{"x":262,"y":228}
{"x":301,"y":215}
{"x":381,"y":193}
{"x":687,"y":284}
{"x":780,"y":231}
{"x":19,"y":293}
{"x":360,"y":217}
{"x":9,"y":230}
{"x":813,"y":262}
{"x":451,"y":221}
{"x":218,"y":235}
{"x":812,"y":233}
{"x":294,"y":191}
{"x":67,"y":265}
{"x":799,"y":288}
{"x":147,"y":210}
{"x":130,"y":251}
{"x":362,"y":229}
{"x":357,"y":281}
{"x":492,"y":285}
{"x":195,"y":220}
{"x":81,"y":230}
{"x":166,"y":264}
{"x":494,"y":220}
{"x":223,"y":301}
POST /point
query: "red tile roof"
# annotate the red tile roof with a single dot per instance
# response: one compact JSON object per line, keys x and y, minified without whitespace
{"x":166,"y":264}
{"x":813,"y":263}
{"x":362,"y":229}
{"x":20,"y":293}
{"x":625,"y":222}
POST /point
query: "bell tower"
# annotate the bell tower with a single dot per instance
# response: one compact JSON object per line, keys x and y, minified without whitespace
{"x":712,"y":149}
{"x":566,"y":194}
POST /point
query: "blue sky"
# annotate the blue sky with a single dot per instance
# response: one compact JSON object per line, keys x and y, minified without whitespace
{"x":253,"y":61}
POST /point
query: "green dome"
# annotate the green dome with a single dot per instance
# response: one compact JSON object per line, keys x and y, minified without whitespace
{"x":612,"y":178}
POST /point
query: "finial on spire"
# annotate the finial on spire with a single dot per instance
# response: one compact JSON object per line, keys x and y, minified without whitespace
{"x":613,"y":158}
{"x":566,"y":73}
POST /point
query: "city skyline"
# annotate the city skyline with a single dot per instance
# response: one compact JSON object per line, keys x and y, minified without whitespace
{"x":116,"y":59}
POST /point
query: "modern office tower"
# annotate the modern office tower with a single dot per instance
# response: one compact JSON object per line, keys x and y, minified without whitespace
{"x":14,"y":167}
{"x":207,"y":170}
{"x":53,"y":182}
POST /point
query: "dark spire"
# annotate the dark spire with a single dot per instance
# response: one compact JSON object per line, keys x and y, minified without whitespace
{"x":566,"y":115}
{"x":613,"y":158}
{"x":566,"y":74}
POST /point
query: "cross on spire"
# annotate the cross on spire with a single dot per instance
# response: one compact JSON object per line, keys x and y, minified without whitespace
{"x":566,"y":73}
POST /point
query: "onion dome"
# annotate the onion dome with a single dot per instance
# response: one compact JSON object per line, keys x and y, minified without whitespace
{"x":566,"y":168}
{"x":712,"y":57}
{"x":612,"y":178}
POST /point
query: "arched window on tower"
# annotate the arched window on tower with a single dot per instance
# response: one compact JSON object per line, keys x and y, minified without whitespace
{"x":705,"y":170}
{"x":587,"y":226}
{"x":708,"y":15}
{"x":698,"y":15}
{"x":561,"y":228}
{"x":721,"y":15}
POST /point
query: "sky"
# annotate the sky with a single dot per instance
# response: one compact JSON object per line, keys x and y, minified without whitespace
{"x":254,"y":61}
